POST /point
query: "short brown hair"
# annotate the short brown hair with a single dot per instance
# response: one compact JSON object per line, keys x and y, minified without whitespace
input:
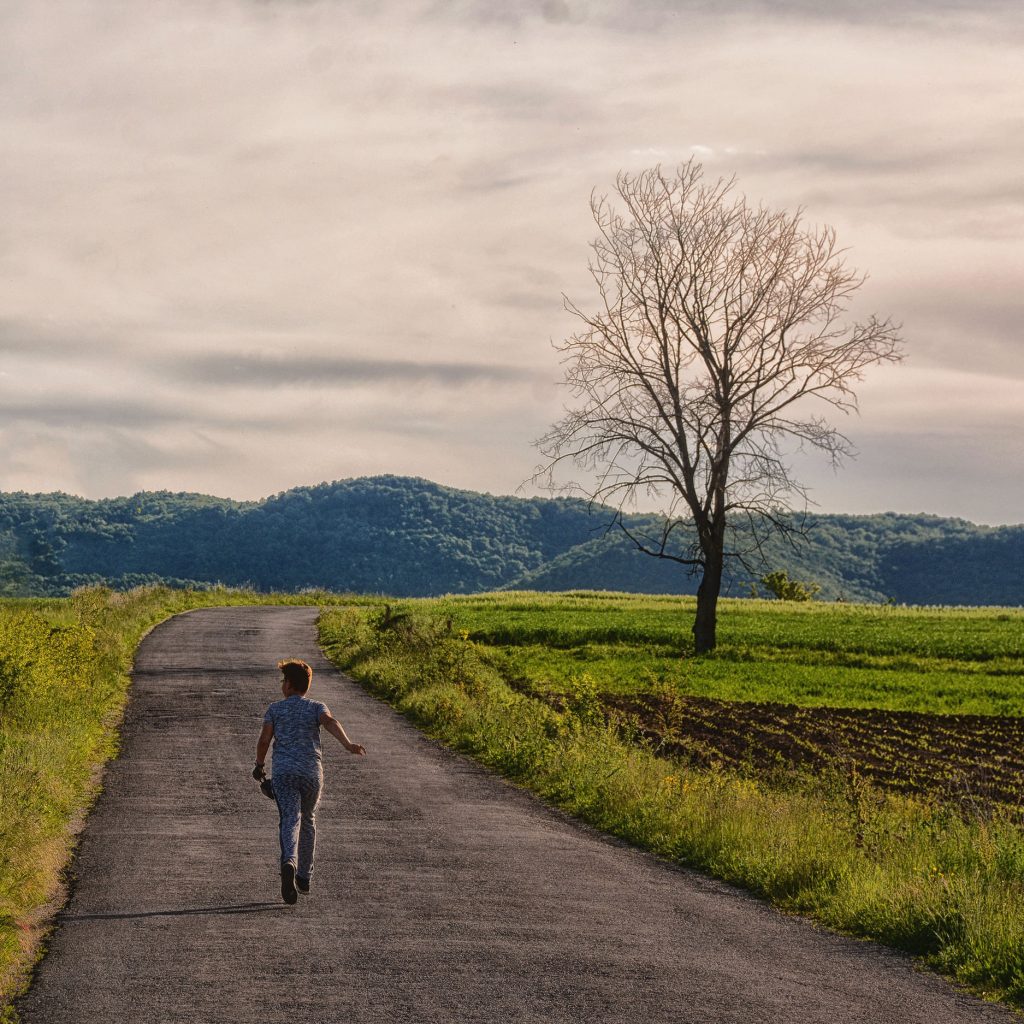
{"x":297,"y":674}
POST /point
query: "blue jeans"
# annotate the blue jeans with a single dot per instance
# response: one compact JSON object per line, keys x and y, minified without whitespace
{"x":297,"y":798}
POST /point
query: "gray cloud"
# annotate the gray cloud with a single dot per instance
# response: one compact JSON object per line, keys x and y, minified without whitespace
{"x":373,"y":209}
{"x":273,"y":371}
{"x":956,"y":179}
{"x":27,"y":337}
{"x":653,"y":15}
{"x":971,"y":331}
{"x":875,"y":12}
{"x":75,"y":414}
{"x":876,"y":481}
{"x":99,"y":460}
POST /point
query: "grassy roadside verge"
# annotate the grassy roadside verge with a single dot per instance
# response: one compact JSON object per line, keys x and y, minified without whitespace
{"x":64,"y":677}
{"x":908,"y":872}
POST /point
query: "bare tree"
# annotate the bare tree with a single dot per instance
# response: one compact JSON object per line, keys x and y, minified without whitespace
{"x":716,"y":321}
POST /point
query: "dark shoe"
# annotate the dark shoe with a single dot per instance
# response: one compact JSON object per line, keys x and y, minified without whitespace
{"x":288,"y":891}
{"x":267,"y":788}
{"x":302,"y":884}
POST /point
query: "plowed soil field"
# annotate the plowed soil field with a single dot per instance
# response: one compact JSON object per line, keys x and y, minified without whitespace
{"x":965,"y":758}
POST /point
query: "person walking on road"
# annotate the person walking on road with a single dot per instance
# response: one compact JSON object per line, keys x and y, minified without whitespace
{"x":293,"y":724}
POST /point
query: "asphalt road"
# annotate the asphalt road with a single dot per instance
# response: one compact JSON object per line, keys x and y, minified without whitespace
{"x":441,"y":893}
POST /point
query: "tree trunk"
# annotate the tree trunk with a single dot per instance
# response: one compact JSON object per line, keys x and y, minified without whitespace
{"x":707,"y":603}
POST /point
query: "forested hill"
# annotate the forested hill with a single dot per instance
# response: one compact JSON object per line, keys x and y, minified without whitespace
{"x":406,"y":537}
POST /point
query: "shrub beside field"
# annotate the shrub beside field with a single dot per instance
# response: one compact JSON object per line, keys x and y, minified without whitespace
{"x":64,"y":675}
{"x":915,"y":873}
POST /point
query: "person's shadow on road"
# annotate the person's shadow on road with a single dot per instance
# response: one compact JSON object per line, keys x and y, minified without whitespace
{"x":235,"y":908}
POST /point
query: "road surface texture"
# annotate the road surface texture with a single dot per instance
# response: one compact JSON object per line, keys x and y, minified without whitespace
{"x":441,"y":893}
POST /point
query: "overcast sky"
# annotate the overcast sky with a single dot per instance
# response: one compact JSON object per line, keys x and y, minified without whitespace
{"x":252,"y":244}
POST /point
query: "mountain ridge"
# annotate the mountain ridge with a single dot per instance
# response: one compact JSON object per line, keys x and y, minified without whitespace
{"x":408,"y":536}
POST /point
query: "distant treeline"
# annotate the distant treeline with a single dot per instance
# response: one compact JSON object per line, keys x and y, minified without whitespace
{"x":410,"y":537}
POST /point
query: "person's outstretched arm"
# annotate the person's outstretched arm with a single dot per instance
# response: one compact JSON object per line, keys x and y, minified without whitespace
{"x":333,"y":726}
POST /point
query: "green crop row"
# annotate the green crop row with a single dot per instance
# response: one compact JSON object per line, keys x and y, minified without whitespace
{"x":968,"y":634}
{"x":947,"y":661}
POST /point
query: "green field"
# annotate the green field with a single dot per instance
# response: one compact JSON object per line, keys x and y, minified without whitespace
{"x":925,"y":701}
{"x":948,"y":660}
{"x":863,"y":765}
{"x":824,"y":756}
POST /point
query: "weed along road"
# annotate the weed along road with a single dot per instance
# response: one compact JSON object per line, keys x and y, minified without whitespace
{"x":441,"y":894}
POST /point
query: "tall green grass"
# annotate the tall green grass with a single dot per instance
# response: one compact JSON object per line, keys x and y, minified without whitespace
{"x":913,"y":874}
{"x":64,"y":676}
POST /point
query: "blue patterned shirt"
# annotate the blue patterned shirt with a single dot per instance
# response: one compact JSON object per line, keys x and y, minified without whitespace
{"x":296,"y":722}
